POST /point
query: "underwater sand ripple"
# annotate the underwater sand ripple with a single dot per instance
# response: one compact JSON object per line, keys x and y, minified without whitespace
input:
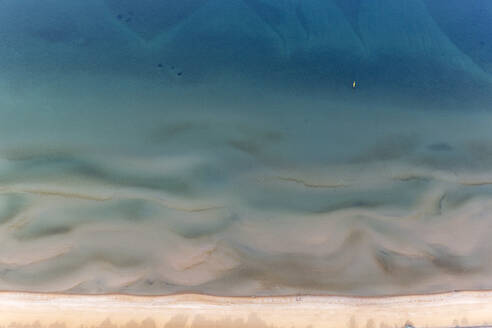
{"x":404,"y":235}
{"x":312,"y":220}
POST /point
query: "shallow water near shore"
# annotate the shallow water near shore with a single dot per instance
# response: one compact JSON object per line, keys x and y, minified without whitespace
{"x":150,"y":158}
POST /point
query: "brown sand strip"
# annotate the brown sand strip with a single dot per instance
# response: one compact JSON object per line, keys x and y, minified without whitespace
{"x":25,"y":310}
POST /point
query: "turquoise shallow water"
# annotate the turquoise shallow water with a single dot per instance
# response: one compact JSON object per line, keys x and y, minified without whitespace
{"x":220,"y":146}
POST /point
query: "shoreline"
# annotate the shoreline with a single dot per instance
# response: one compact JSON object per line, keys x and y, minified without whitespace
{"x":452,"y":309}
{"x":248,"y":297}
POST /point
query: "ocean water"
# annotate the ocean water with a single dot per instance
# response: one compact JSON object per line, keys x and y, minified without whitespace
{"x":246,"y":147}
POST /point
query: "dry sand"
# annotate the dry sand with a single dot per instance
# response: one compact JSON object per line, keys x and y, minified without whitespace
{"x":464,"y":309}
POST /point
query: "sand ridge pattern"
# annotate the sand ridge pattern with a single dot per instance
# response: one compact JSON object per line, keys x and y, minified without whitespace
{"x":112,"y":223}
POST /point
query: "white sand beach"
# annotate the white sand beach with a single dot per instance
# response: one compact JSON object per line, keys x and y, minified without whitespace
{"x":458,"y":309}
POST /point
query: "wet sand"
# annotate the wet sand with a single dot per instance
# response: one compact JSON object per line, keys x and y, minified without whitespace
{"x":456,"y":309}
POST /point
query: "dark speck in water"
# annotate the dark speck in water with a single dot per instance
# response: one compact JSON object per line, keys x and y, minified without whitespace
{"x":120,"y":17}
{"x":179,"y":73}
{"x":159,"y":65}
{"x":441,"y":146}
